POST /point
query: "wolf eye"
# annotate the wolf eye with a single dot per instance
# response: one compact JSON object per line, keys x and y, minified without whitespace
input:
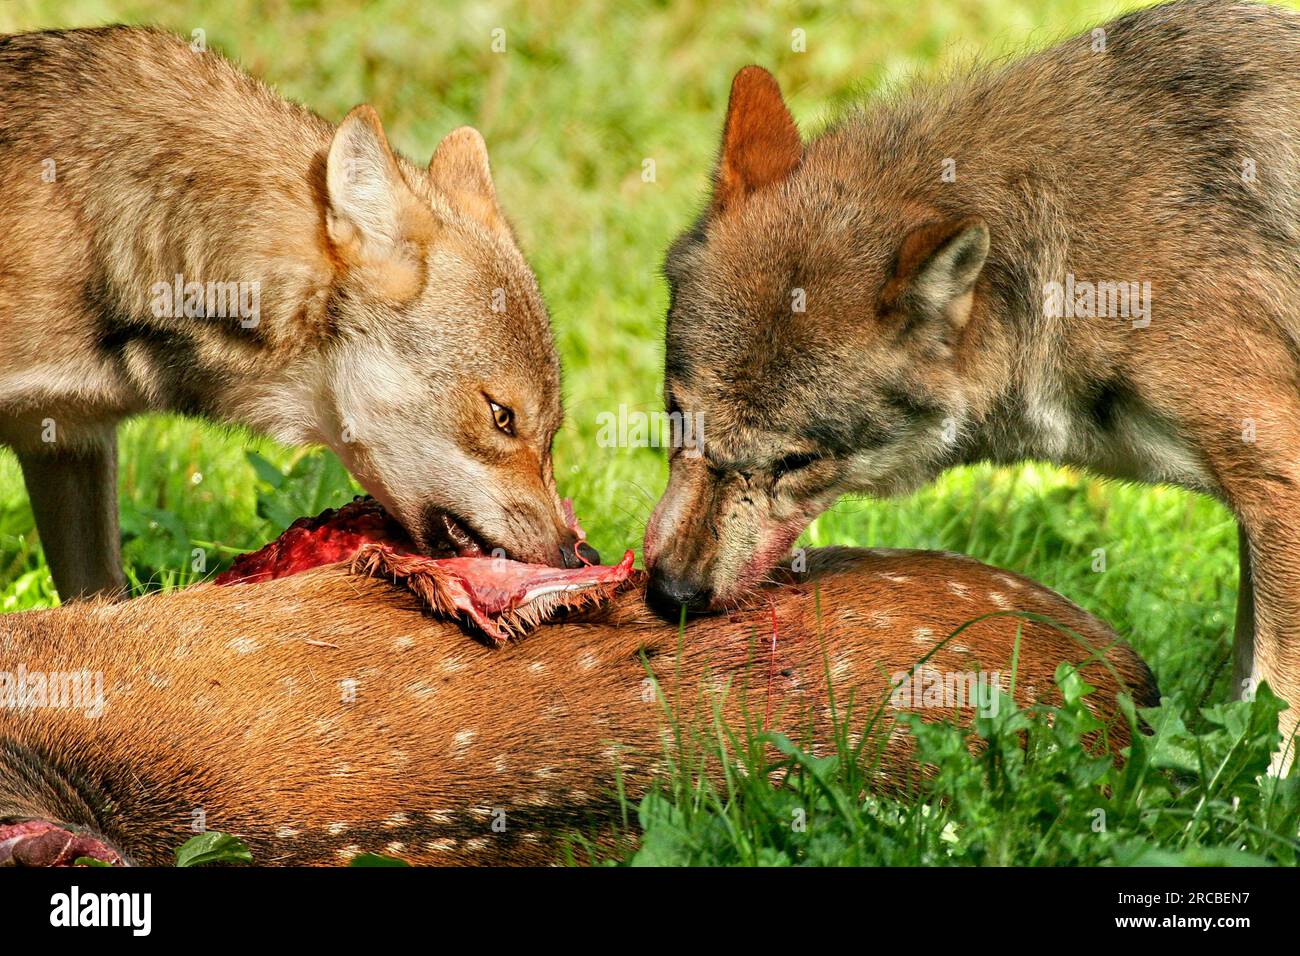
{"x":792,"y":463}
{"x":503,"y":417}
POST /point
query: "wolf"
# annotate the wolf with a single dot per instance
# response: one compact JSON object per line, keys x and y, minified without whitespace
{"x":174,"y":237}
{"x":860,"y":312}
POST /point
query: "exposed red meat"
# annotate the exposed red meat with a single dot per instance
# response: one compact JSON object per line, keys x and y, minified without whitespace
{"x":504,"y":599}
{"x":500,"y":597}
{"x":333,"y":535}
{"x":39,"y":843}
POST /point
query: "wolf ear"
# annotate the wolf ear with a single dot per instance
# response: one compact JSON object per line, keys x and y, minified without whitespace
{"x":372,"y":214}
{"x":760,"y":142}
{"x":460,"y":171}
{"x":934,"y":278}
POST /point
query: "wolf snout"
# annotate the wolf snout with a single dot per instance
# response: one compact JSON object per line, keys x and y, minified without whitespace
{"x":577,"y":554}
{"x":667,"y":594}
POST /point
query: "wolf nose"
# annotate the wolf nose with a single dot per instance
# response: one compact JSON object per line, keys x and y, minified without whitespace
{"x":578,"y":553}
{"x":667,"y":595}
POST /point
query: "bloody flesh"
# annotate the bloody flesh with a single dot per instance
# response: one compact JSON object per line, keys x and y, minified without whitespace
{"x":500,"y":597}
{"x":332,"y":536}
{"x":40,"y":843}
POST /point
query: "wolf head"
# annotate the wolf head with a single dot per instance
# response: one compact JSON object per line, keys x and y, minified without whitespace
{"x":818,"y":328}
{"x":440,"y":389}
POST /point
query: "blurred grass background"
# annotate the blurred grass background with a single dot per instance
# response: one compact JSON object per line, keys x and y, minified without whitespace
{"x":582,"y":95}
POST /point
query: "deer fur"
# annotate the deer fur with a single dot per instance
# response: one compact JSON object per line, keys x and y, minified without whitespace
{"x":327,"y":714}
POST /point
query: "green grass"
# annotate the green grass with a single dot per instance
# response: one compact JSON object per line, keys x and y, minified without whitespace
{"x":584,"y":94}
{"x":1040,"y":791}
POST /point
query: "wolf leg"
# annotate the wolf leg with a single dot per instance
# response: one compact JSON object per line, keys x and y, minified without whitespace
{"x":73,"y":491}
{"x":1243,"y":645}
{"x":1259,"y":477}
{"x":1271,"y":583}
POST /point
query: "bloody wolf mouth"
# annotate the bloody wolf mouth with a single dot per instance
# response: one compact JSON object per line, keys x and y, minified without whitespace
{"x":336,"y":534}
{"x":448,"y":535}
